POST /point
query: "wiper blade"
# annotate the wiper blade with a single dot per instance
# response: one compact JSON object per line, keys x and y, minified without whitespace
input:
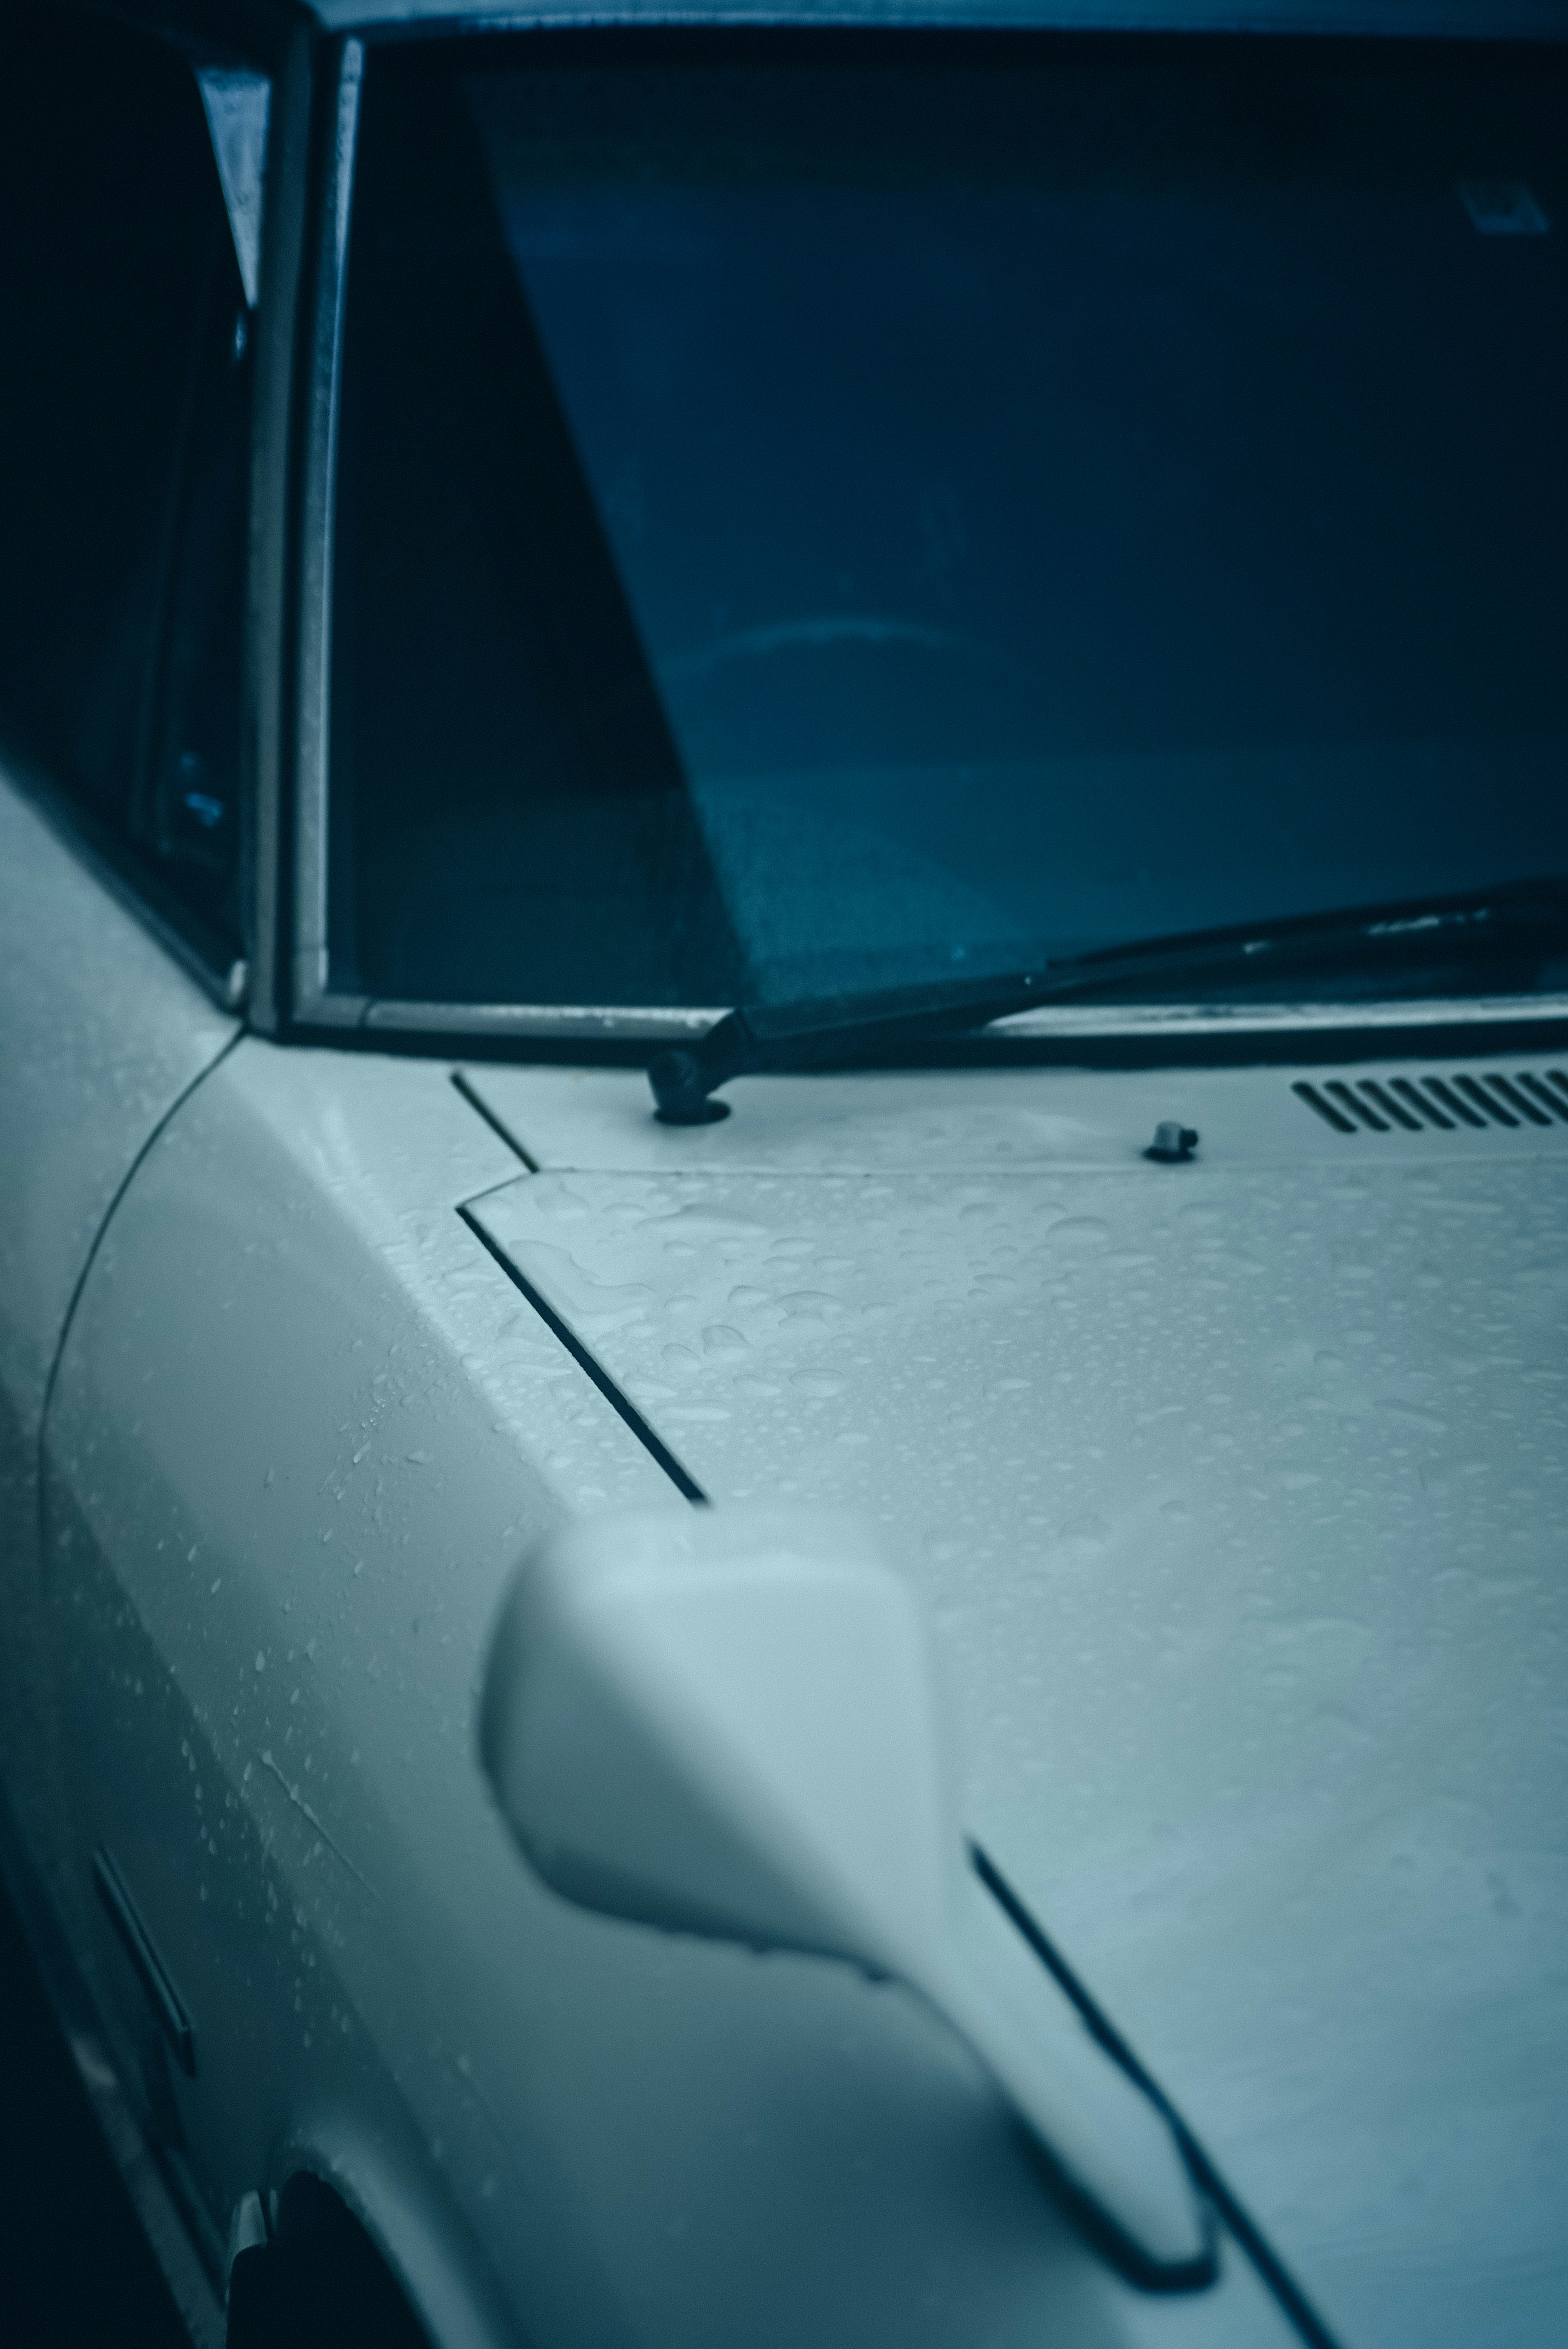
{"x":1515,"y":916}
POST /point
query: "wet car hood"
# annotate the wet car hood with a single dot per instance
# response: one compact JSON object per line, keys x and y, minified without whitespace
{"x":1234,"y":1489}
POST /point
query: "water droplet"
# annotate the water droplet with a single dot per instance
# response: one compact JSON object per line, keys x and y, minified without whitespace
{"x":727,"y":1344}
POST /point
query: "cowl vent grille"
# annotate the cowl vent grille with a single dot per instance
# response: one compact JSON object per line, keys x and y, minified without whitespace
{"x":1414,"y":1105}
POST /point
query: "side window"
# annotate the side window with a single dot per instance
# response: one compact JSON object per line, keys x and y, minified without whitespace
{"x":128,"y":181}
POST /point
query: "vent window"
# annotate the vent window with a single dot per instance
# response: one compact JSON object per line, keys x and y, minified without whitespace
{"x":1412,"y":1104}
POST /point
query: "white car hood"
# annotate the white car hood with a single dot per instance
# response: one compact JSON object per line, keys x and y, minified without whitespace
{"x":1235,"y":1490}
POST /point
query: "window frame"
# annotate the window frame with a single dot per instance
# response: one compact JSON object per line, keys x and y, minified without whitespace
{"x":267,"y":40}
{"x":1160,"y":1031}
{"x":276,"y":41}
{"x":314,"y":1003}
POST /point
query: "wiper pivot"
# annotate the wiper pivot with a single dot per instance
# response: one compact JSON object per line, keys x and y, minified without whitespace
{"x":1517,"y":917}
{"x":813,"y":1034}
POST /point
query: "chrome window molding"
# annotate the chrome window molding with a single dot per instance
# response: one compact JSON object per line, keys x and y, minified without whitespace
{"x":311,"y":1002}
{"x":1124,"y":1020}
{"x":594,"y":1023}
{"x":1468,"y":20}
{"x":267,"y":649}
{"x":1089,"y":1023}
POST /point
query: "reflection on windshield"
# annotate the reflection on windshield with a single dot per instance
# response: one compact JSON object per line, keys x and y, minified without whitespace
{"x":811,"y":525}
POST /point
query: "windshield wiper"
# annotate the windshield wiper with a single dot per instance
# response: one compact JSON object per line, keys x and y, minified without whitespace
{"x":1518,"y":918}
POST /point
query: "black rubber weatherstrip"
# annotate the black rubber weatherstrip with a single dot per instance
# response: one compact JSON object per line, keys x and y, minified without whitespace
{"x":1292,"y":2301}
{"x":652,"y":1444}
{"x":151,"y":1971}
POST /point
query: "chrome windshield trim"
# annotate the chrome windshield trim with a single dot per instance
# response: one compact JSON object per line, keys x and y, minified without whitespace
{"x":269,"y":646}
{"x":636,"y":1023}
{"x":1259,"y":1019}
{"x":639,"y":1023}
{"x":309,"y":967}
{"x":1385,"y":19}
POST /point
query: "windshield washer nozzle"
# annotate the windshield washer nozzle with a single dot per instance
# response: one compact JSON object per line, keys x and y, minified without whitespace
{"x":1173,"y":1144}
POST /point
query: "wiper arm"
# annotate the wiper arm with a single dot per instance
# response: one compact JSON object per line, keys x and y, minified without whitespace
{"x":814,"y":1033}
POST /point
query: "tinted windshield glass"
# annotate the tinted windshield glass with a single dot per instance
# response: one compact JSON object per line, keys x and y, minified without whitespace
{"x":830,"y":515}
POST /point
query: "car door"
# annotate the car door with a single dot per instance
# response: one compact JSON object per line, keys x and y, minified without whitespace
{"x":122,"y":947}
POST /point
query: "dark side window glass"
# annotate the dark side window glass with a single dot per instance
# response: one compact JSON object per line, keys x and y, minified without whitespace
{"x":820,"y":514}
{"x":124,"y":450}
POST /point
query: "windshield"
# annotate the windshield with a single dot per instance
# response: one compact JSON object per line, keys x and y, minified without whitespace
{"x":818,"y":515}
